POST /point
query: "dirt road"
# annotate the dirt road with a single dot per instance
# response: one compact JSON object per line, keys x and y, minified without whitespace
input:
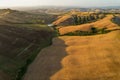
{"x":78,"y":58}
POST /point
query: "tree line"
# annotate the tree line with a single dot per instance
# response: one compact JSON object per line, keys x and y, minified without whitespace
{"x":86,"y":18}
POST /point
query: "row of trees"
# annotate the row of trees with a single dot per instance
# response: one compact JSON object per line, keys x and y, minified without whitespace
{"x":86,"y":18}
{"x":92,"y":31}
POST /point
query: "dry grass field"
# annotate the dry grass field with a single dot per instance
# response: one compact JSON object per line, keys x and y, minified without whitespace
{"x":76,"y":17}
{"x":61,"y":19}
{"x":103,"y":23}
{"x":78,"y":58}
{"x":23,"y":35}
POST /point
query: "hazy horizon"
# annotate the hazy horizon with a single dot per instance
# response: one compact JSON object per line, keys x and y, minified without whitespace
{"x":80,"y":3}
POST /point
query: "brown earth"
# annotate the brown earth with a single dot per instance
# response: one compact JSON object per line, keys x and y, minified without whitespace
{"x":78,"y":58}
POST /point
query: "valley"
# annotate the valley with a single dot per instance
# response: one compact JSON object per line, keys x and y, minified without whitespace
{"x":80,"y":57}
{"x":59,"y":44}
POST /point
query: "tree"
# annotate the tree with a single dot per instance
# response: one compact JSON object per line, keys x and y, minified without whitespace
{"x":92,"y":17}
{"x":75,"y":17}
{"x":94,"y":30}
{"x":79,"y":20}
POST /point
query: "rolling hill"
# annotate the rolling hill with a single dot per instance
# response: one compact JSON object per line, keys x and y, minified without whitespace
{"x":22,"y":36}
{"x":103,"y":23}
{"x":22,"y":17}
{"x":94,"y":57}
{"x":78,"y":58}
{"x":76,"y":18}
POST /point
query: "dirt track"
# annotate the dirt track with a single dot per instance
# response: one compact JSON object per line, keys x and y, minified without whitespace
{"x":78,"y":58}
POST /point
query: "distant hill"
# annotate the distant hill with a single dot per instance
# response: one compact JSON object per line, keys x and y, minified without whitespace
{"x":111,"y":7}
{"x":100,"y":24}
{"x":75,"y":17}
{"x":21,"y":17}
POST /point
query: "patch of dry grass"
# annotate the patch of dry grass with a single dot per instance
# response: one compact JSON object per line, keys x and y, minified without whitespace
{"x":91,"y":58}
{"x":68,"y":19}
{"x":61,"y":19}
{"x":78,"y":58}
{"x":103,"y":23}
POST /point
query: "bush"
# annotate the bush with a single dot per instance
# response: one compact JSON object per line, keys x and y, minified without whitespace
{"x":93,"y":30}
{"x":102,"y":31}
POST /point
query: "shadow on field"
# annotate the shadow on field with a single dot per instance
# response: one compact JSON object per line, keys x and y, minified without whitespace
{"x":116,"y":20}
{"x":48,"y":62}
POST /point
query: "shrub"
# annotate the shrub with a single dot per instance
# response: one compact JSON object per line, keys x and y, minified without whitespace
{"x":94,"y":30}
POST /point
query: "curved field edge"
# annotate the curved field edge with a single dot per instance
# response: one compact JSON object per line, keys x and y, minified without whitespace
{"x":78,"y":57}
{"x":91,"y":57}
{"x":47,"y":62}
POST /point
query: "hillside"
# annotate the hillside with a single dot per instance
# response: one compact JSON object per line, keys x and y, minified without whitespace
{"x":21,"y":17}
{"x":24,"y":34}
{"x":21,"y":39}
{"x":103,"y":23}
{"x":78,"y":58}
{"x":77,"y":18}
{"x":94,"y":57}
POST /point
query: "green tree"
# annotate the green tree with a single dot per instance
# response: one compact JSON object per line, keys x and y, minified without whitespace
{"x":94,"y":30}
{"x":75,"y":17}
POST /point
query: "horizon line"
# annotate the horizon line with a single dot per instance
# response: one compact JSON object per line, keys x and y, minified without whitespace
{"x":58,"y":6}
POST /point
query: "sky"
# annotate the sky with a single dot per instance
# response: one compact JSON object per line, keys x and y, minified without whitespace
{"x":81,"y":3}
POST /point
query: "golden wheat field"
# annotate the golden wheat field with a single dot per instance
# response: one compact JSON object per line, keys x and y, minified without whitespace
{"x":103,"y":23}
{"x":78,"y":58}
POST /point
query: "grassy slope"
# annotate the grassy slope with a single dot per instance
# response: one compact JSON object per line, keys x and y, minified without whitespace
{"x":21,"y":39}
{"x":78,"y":58}
{"x":104,"y":23}
{"x":67,"y":18}
{"x":21,"y":42}
{"x":92,"y":57}
{"x":19,"y":17}
{"x":61,"y":19}
{"x":19,"y":45}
